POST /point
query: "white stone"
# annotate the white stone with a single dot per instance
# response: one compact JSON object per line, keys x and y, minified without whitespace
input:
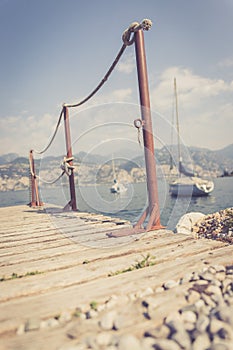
{"x":128,"y":341}
{"x":187,"y":221}
{"x":107,"y":321}
{"x":103,"y":338}
{"x":202,"y":342}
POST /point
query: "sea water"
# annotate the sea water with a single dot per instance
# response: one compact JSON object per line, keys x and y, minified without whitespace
{"x":131,"y":204}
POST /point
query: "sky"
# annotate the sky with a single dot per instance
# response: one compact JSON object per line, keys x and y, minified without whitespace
{"x":57,"y":51}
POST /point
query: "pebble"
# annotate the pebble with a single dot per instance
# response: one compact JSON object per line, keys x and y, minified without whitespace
{"x":215,"y":226}
{"x":103,"y":338}
{"x":170,"y":284}
{"x":158,"y":332}
{"x":205,"y":322}
{"x":166,"y":344}
{"x":129,"y":341}
{"x":32,"y":324}
{"x":107,"y":321}
{"x":202,"y":342}
{"x":192,"y":296}
{"x":202,"y":323}
{"x":189,"y":316}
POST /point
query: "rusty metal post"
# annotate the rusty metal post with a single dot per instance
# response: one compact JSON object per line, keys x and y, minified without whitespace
{"x":35,"y":199}
{"x":72,"y":202}
{"x":152,"y":189}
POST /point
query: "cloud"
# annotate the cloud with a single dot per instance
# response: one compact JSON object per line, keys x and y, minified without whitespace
{"x":205,"y":113}
{"x":21,"y":133}
{"x":227,"y":63}
{"x":205,"y":106}
{"x":127,"y":65}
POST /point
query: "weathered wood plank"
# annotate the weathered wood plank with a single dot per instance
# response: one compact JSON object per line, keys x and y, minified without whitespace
{"x":68,"y":254}
{"x":178,"y":246}
{"x":100,"y":267}
{"x":57,"y":337}
{"x":57,"y":244}
{"x":55,"y":301}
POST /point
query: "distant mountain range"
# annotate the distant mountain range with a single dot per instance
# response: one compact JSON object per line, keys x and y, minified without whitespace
{"x":14,"y":169}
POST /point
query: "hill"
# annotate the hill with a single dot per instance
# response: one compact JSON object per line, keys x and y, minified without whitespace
{"x":9,"y":157}
{"x":14,"y":170}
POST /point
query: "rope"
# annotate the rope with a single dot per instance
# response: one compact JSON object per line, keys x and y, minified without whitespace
{"x":105,"y":78}
{"x":65,"y":166}
{"x":53,"y":137}
{"x":134,"y":27}
{"x":51,"y":182}
{"x":30,"y":168}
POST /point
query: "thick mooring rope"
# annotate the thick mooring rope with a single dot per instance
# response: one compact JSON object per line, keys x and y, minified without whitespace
{"x":127,"y":41}
{"x":32,"y":174}
{"x":53,"y":137}
{"x":134,"y":27}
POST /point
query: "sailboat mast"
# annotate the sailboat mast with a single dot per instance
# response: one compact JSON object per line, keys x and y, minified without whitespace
{"x":177,"y":121}
{"x":113,"y":169}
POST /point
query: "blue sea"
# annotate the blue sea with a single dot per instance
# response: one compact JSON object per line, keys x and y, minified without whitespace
{"x":130,"y":205}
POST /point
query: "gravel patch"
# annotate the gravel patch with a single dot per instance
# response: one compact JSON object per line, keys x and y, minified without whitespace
{"x":217,"y":226}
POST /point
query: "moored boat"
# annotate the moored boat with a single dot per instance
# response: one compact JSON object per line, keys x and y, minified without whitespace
{"x":117,"y":187}
{"x":187,"y":183}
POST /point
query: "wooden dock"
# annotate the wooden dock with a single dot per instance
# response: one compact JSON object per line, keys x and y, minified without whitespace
{"x":53,"y":262}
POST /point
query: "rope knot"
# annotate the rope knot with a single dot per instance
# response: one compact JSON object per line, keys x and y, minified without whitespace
{"x":146,"y":24}
{"x":134,"y":27}
{"x":66,"y":166}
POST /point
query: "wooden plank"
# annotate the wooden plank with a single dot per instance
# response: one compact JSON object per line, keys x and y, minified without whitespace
{"x":57,"y":337}
{"x":69,"y":253}
{"x":50,"y":235}
{"x":58,"y":244}
{"x":56,"y":301}
{"x":79,"y":273}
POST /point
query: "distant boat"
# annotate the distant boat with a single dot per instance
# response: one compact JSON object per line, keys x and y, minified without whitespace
{"x":187,"y":183}
{"x":226,"y":173}
{"x":117,"y":187}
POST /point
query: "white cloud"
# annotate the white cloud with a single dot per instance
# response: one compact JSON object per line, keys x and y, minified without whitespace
{"x":21,"y":133}
{"x":127,"y":64}
{"x":205,"y":106}
{"x":227,"y":63}
{"x":205,"y":111}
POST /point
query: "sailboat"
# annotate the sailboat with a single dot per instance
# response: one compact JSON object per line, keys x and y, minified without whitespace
{"x":187,"y":183}
{"x":117,"y":187}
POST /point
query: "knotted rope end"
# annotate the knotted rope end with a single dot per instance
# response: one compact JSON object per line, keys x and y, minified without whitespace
{"x":134,"y":27}
{"x":146,"y":24}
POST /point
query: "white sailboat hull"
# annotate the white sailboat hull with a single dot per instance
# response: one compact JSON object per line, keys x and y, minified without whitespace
{"x":187,"y":184}
{"x":193,"y":187}
{"x":118,"y":188}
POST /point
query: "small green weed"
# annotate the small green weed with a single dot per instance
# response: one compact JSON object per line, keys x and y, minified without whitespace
{"x":33,"y":273}
{"x":94,"y":305}
{"x":77,"y":312}
{"x":146,"y":261}
{"x":16,"y":276}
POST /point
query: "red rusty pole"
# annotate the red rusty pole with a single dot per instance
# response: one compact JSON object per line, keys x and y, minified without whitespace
{"x":35,"y":199}
{"x":32,"y":175}
{"x":72,"y":202}
{"x":154,"y":213}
